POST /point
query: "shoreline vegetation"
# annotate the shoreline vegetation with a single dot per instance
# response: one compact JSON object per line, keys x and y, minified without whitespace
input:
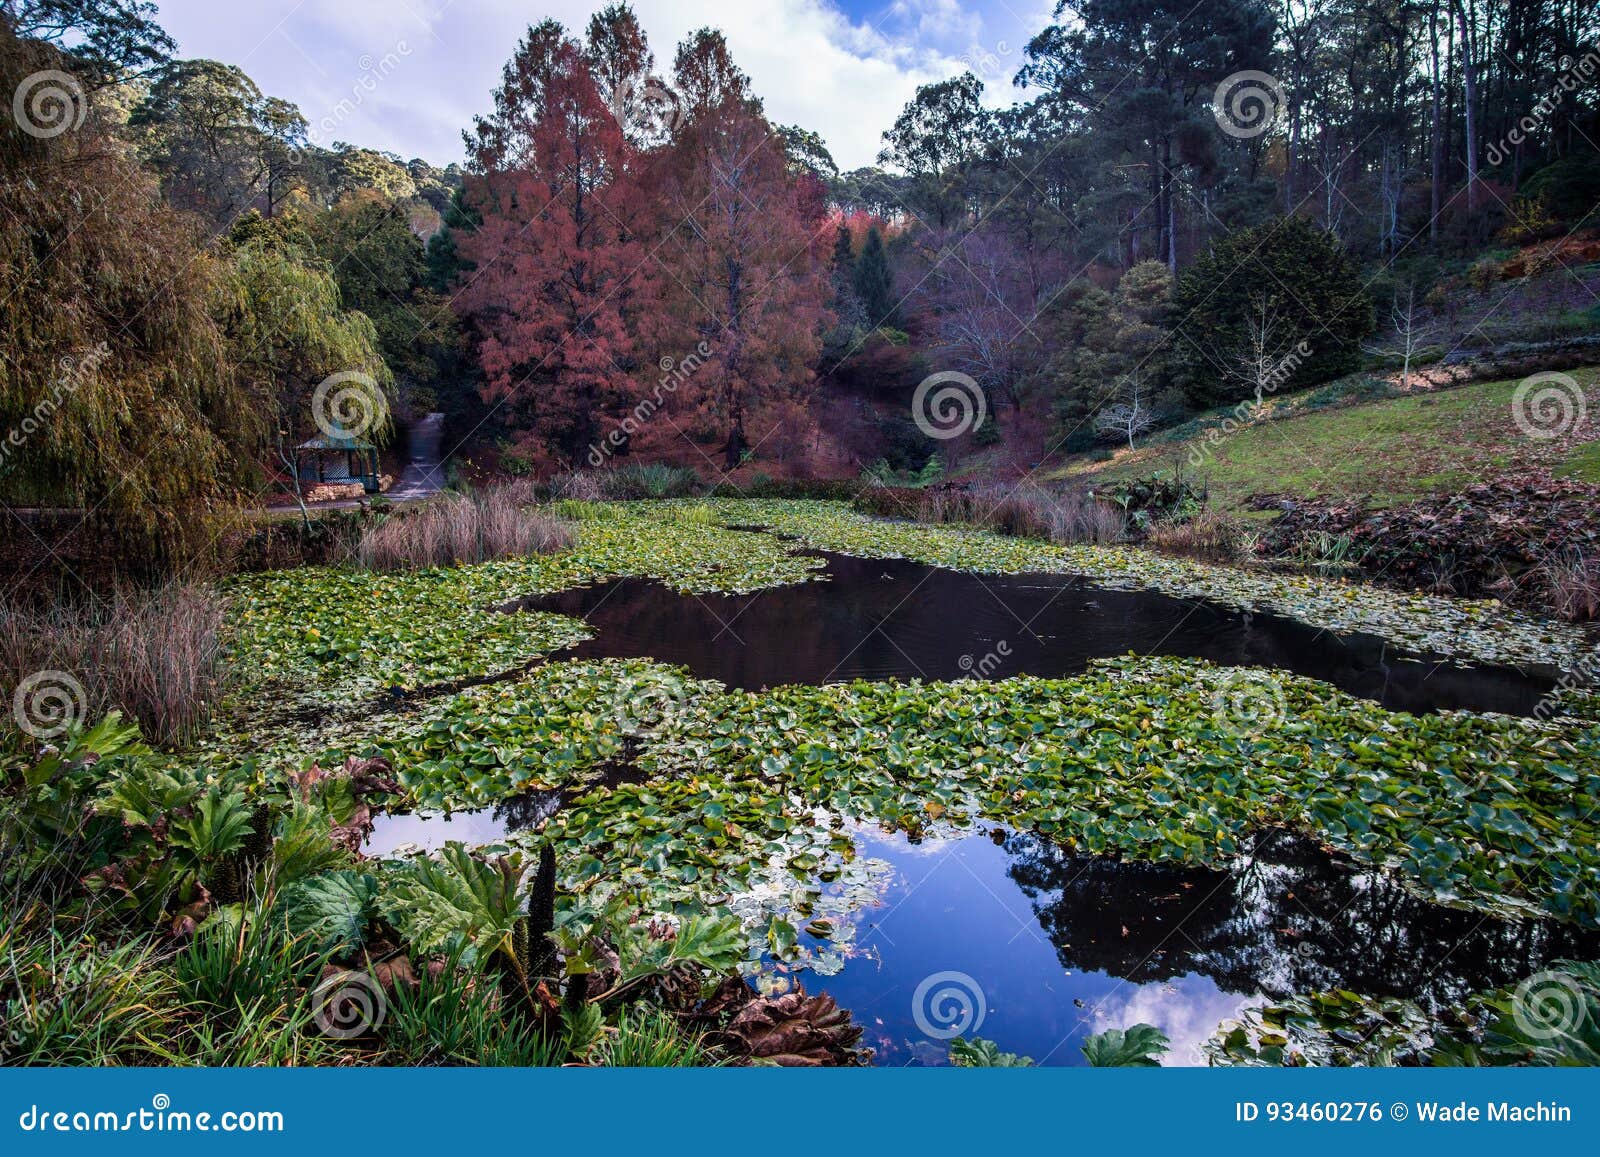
{"x":351,"y":691}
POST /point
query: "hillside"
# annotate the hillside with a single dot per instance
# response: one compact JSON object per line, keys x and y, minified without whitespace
{"x":1359,"y":443}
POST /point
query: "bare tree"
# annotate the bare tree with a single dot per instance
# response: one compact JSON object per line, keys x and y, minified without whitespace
{"x":1127,"y":418}
{"x":981,"y":307}
{"x":1404,"y":316}
{"x":1270,"y":351}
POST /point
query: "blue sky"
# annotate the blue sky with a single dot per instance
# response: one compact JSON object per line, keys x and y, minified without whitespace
{"x":408,"y":75}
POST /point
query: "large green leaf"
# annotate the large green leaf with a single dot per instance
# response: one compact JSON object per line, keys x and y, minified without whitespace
{"x":1138,"y":1047}
{"x":330,"y":912}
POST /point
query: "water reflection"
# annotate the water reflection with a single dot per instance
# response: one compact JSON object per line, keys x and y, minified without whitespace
{"x":1062,"y":946}
{"x":429,"y":833}
{"x":893,"y":619}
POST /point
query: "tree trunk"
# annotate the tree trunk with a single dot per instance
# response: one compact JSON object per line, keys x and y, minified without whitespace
{"x":1469,"y":82}
{"x":1434,"y":134}
{"x":733,"y":450}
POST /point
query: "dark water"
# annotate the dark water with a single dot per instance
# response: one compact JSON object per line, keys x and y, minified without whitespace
{"x":892,"y":619}
{"x":1054,"y":947}
{"x":1062,"y":946}
{"x":1004,"y":934}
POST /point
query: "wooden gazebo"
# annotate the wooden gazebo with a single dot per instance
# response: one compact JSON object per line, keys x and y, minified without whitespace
{"x":337,"y":458}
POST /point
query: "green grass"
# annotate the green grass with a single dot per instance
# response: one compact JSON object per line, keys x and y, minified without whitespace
{"x":1387,"y":451}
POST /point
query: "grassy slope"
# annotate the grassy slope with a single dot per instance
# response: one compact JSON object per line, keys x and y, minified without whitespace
{"x":1389,"y":450}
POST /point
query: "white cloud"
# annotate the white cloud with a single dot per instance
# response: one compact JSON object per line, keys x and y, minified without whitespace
{"x":810,"y":64}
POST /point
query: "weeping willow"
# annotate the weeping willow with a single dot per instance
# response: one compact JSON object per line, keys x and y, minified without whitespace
{"x":142,"y":372}
{"x":284,"y":319}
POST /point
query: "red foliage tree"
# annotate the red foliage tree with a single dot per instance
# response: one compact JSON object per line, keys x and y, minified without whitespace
{"x":744,"y":268}
{"x":556,"y":252}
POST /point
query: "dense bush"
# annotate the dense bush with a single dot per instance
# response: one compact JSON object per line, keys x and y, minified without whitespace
{"x":1568,"y":188}
{"x":1311,"y":291}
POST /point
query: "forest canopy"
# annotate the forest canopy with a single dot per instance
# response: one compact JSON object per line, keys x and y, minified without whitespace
{"x":637,"y":263}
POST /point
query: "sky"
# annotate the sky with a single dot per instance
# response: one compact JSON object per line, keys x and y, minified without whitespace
{"x":406,"y":76}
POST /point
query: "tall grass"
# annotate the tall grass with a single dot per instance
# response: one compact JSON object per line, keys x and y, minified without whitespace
{"x":68,"y":1000}
{"x":1213,"y":535}
{"x":1572,"y":584}
{"x":153,"y":654}
{"x":1065,"y":516}
{"x":635,"y":480}
{"x":463,"y":528}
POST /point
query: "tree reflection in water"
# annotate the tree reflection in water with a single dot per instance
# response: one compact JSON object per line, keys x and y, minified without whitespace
{"x":1287,"y":918}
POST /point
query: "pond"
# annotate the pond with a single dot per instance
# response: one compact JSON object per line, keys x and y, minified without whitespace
{"x":1003,"y":935}
{"x":894,"y":619}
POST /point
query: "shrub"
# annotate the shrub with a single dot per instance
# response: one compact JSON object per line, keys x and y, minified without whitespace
{"x":455,"y":529}
{"x":1024,"y":511}
{"x":649,"y":480}
{"x":152,"y":654}
{"x":1211,"y":534}
{"x":1572,"y":586}
{"x":1317,"y":295}
{"x":1568,"y":188}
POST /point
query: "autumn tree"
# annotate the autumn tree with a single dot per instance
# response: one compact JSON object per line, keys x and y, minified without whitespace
{"x":623,"y":68}
{"x":551,"y":297}
{"x":746,"y":274}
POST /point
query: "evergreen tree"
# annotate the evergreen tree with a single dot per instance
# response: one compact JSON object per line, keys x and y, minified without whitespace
{"x":843,"y":259}
{"x":1287,"y":277}
{"x":875,"y":282}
